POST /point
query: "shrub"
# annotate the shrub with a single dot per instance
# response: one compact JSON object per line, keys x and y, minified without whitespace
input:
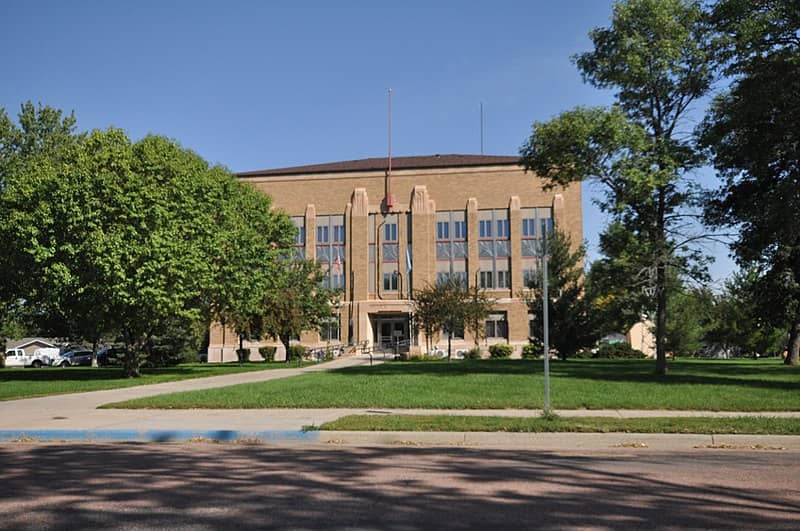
{"x":532,"y":351}
{"x":500,"y":351}
{"x":296,"y":352}
{"x":618,"y":351}
{"x":243,"y":354}
{"x":268,"y":353}
{"x":473,"y":354}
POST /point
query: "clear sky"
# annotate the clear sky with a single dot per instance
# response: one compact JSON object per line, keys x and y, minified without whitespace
{"x":265,"y":84}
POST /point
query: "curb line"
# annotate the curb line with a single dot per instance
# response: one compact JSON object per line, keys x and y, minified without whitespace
{"x":276,"y":436}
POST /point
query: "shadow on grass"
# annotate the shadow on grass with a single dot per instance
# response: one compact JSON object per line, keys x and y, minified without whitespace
{"x":258,"y":486}
{"x":767,"y":375}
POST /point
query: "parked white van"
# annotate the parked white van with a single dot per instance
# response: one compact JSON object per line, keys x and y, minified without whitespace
{"x":16,"y":357}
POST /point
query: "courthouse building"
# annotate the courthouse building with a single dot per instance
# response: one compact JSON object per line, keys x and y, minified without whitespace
{"x":383,"y":231}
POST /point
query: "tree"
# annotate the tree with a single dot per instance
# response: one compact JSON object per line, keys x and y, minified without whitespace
{"x":616,"y":299}
{"x":295,"y":302}
{"x":737,"y":322}
{"x":134,"y":241}
{"x":450,"y":307}
{"x":426,"y":314}
{"x":656,"y":54}
{"x":568,"y":309}
{"x":249,"y":251}
{"x":477,"y":308}
{"x":30,"y":152}
{"x":753,"y":136}
{"x":691,"y":317}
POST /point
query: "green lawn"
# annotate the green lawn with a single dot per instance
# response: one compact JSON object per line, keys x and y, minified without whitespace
{"x":26,"y":383}
{"x":750,"y":385}
{"x":710,"y":425}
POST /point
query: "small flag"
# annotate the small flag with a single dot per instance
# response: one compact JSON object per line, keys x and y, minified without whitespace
{"x":408,"y":258}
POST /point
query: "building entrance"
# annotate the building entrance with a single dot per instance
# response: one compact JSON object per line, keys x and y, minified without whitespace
{"x":390,"y":331}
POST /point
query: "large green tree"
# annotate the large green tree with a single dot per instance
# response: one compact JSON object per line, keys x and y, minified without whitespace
{"x":31,"y":151}
{"x":655,"y":55}
{"x":753,"y":135}
{"x":130,"y":241}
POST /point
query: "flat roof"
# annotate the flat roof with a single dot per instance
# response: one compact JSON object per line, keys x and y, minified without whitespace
{"x":398,"y":163}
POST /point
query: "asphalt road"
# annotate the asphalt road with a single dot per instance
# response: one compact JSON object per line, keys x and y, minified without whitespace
{"x":224,"y":486}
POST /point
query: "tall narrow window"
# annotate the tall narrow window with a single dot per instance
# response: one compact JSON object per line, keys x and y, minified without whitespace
{"x":331,"y":251}
{"x":299,"y":223}
{"x":390,"y":254}
{"x":451,"y":247}
{"x":494,"y":249}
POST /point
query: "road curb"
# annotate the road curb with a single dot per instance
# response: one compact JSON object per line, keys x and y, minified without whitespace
{"x":274,"y":436}
{"x":529,"y":441}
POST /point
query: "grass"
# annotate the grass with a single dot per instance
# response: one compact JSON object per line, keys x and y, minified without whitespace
{"x":707,"y":425}
{"x":26,"y":383}
{"x":741,"y":385}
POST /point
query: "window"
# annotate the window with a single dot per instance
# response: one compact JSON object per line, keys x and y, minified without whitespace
{"x":528,"y":227}
{"x":458,"y":333}
{"x":451,"y":246}
{"x":390,"y":281}
{"x":299,"y":223}
{"x":322,"y":234}
{"x":460,"y":230}
{"x":502,"y":228}
{"x":503,"y":279}
{"x":535,"y":221}
{"x":329,"y":330}
{"x":390,"y":232}
{"x":494,"y":249}
{"x":529,"y":278}
{"x":331,"y":252}
{"x":338,"y":233}
{"x":497,"y":326}
{"x":384,"y":253}
{"x":485,"y":228}
{"x":442,"y":230}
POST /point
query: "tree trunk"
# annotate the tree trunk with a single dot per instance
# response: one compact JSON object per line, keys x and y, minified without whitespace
{"x":661,"y":287}
{"x":131,"y":363}
{"x":285,"y":339}
{"x":661,"y":321}
{"x":94,"y":353}
{"x":449,"y":344}
{"x":793,"y":354}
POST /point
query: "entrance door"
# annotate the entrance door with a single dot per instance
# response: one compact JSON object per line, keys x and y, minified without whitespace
{"x":391,"y":331}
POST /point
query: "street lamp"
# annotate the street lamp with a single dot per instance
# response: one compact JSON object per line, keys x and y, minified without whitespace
{"x":545,"y":321}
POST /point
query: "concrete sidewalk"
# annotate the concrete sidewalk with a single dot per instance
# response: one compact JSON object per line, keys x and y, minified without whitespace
{"x":76,"y":417}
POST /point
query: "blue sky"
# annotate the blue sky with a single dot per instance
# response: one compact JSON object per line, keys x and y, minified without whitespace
{"x":255,"y":85}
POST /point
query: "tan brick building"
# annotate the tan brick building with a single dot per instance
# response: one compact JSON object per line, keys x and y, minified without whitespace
{"x":384,"y":232}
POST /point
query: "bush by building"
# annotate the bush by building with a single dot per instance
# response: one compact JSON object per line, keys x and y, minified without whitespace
{"x":500,"y":351}
{"x":268,"y":353}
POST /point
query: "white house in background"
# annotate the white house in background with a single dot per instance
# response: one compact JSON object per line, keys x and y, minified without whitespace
{"x":29,"y":344}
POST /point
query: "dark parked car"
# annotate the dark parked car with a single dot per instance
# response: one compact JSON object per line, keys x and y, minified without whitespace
{"x":74,"y":358}
{"x":110,"y":357}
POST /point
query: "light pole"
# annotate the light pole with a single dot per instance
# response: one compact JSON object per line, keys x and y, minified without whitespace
{"x":545,"y":322}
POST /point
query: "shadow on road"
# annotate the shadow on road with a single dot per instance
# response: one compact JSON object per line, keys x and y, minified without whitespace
{"x":219,"y":486}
